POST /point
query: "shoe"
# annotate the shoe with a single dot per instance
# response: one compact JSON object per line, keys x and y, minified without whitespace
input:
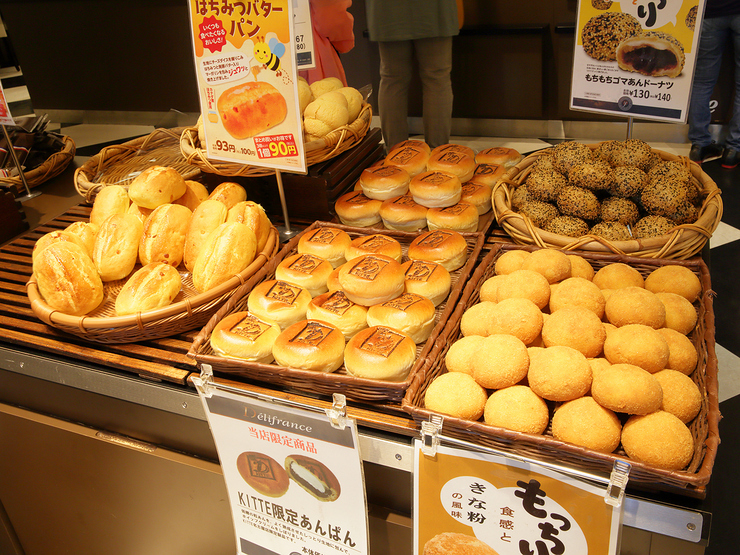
{"x":730,"y":158}
{"x":695,"y":154}
{"x":701,"y":154}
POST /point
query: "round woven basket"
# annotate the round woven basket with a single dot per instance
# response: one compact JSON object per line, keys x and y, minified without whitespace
{"x":333,"y":144}
{"x":190,"y":309}
{"x":120,"y":164}
{"x":684,"y":241}
{"x":52,"y":166}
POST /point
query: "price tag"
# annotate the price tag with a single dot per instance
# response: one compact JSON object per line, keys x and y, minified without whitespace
{"x":513,"y":507}
{"x":275,"y":146}
{"x":636,"y":59}
{"x":295,"y":482}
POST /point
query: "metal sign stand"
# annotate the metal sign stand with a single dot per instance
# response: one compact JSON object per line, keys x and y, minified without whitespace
{"x":629,"y":127}
{"x":284,"y":231}
{"x":29,"y":195}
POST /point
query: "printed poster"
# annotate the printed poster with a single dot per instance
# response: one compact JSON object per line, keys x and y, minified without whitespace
{"x":304,"y":56}
{"x":295,"y":483}
{"x":636,"y":58}
{"x":465,"y":497}
{"x":5,"y":117}
{"x":247,"y":82}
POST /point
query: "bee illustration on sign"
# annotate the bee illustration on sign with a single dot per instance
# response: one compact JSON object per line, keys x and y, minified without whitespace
{"x":268,"y":52}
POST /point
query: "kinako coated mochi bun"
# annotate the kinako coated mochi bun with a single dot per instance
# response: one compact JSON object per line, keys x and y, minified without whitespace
{"x":635,"y":305}
{"x":459,"y":357}
{"x":681,"y":396}
{"x":454,"y":543}
{"x":627,"y":388}
{"x":517,"y":408}
{"x":578,"y":291}
{"x":558,"y":373}
{"x":456,"y":394}
{"x":673,"y":278}
{"x":576,"y":327}
{"x":617,"y":275}
{"x":551,"y":263}
{"x":659,"y":439}
{"x":518,"y":317}
{"x":510,"y":261}
{"x":500,"y":361}
{"x":638,"y":345}
{"x":680,"y":314}
{"x":580,"y":267}
{"x":586,"y":423}
{"x":525,"y":284}
{"x":475,"y":319}
{"x":489,"y":288}
{"x":682,"y":354}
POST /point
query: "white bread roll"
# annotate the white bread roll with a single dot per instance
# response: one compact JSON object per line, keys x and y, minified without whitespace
{"x":56,"y":236}
{"x":116,"y":247}
{"x":229,"y":193}
{"x":325,"y":85}
{"x":412,"y":159}
{"x":227,"y":251}
{"x":428,"y":279}
{"x":306,"y":270}
{"x":355,"y":209}
{"x":402,"y":213}
{"x":195,"y":193}
{"x":163,"y":238}
{"x":460,"y":165}
{"x":374,"y":244}
{"x":462,"y":217}
{"x":384,"y":182}
{"x":207,"y":216}
{"x":325,"y":114}
{"x":435,"y":189}
{"x":110,"y":200}
{"x":86,"y":231}
{"x":150,"y":287}
{"x":155,"y":186}
{"x":255,"y":218}
{"x":445,"y":247}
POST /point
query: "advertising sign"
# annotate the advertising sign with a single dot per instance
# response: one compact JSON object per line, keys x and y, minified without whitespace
{"x":636,"y":58}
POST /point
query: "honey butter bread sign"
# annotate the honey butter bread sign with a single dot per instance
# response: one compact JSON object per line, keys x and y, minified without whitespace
{"x":247,"y":83}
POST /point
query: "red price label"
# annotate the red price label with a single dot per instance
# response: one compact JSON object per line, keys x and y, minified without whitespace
{"x":275,"y":146}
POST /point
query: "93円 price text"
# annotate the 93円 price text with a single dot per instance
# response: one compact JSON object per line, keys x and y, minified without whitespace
{"x":226,"y":146}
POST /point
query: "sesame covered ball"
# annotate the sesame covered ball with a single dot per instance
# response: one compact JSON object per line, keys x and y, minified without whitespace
{"x":602,"y":34}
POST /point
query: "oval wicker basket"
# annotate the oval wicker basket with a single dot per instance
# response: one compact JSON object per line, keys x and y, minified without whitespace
{"x":52,"y":166}
{"x":333,"y":144}
{"x":684,"y":241}
{"x":189,"y":310}
{"x":120,"y":164}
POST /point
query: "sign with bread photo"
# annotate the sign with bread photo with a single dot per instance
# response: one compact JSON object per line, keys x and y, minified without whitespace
{"x":248,"y":83}
{"x":636,"y":58}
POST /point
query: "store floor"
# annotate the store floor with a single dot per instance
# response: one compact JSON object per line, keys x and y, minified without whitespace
{"x":722,"y":257}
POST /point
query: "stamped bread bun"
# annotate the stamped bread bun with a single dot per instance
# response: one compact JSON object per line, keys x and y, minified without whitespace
{"x":112,"y":199}
{"x":410,"y":313}
{"x":456,"y":163}
{"x":402,"y":213}
{"x":313,"y":476}
{"x":380,"y":353}
{"x":254,"y":217}
{"x":279,"y":302}
{"x":462,"y":217}
{"x":371,"y":279}
{"x":384,"y":182}
{"x":157,"y":185}
{"x":435,"y":189}
{"x":245,"y":336}
{"x":163,"y":238}
{"x":306,"y":270}
{"x":208,"y":215}
{"x":355,"y":209}
{"x":263,"y":473}
{"x":150,"y":287}
{"x":428,"y":279}
{"x":229,"y":193}
{"x":477,"y":194}
{"x":374,"y":244}
{"x":410,"y":158}
{"x":310,"y":345}
{"x":452,"y":147}
{"x":335,"y":308}
{"x":328,"y":243}
{"x":67,"y":278}
{"x":445,"y":247}
{"x":414,"y":143}
{"x":227,"y":251}
{"x":251,"y":108}
{"x":488,"y":174}
{"x":499,"y":155}
{"x":116,"y":248}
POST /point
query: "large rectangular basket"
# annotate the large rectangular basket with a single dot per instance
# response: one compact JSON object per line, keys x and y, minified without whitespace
{"x":52,"y":166}
{"x":189,"y":310}
{"x":359,"y":389}
{"x":691,"y":481}
{"x":682,"y":242}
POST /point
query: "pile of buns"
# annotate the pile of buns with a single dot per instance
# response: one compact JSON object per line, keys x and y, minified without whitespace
{"x":601,"y":358}
{"x":327,"y":105}
{"x":144,"y":239}
{"x":415,"y":187}
{"x":620,"y":190}
{"x":359,"y":303}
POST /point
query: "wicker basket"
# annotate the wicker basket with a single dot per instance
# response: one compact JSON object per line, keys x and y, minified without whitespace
{"x":333,"y":144}
{"x":189,"y":310}
{"x":705,"y":427}
{"x":52,"y":166}
{"x":120,"y":164}
{"x":358,"y":389}
{"x":683,"y":242}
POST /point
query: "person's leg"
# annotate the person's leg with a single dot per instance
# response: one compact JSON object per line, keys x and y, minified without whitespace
{"x":396,"y":65}
{"x":733,"y":133}
{"x":435,"y":63}
{"x":714,"y":34}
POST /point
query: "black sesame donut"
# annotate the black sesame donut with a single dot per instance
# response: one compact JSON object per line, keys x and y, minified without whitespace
{"x":602,"y":34}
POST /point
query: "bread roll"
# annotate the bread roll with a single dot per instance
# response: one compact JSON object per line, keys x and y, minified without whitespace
{"x":116,"y":247}
{"x":501,"y":360}
{"x":371,"y":279}
{"x":415,"y":143}
{"x":435,"y":189}
{"x":329,"y":243}
{"x":195,"y":193}
{"x":229,"y":193}
{"x":402,"y":213}
{"x":627,"y":388}
{"x":227,"y":251}
{"x":459,"y":357}
{"x":488,"y":174}
{"x":155,"y":186}
{"x":409,"y":158}
{"x":310,"y":345}
{"x":250,"y":108}
{"x":67,"y":279}
{"x":559,"y":373}
{"x":334,"y":307}
{"x":659,"y":439}
{"x":374,"y":244}
{"x":112,"y":199}
{"x":280,"y":302}
{"x":452,"y":147}
{"x":354,"y":101}
{"x":428,"y":279}
{"x":325,"y":114}
{"x":86,"y":232}
{"x":551,"y":263}
{"x":456,"y":163}
{"x":380,"y":353}
{"x":207,"y":217}
{"x":477,"y":194}
{"x":384,"y":182}
{"x":325,"y":85}
{"x":139,"y":211}
{"x":150,"y":287}
{"x":517,"y":408}
{"x":314,"y":477}
{"x":306,"y":270}
{"x":453,"y":543}
{"x":163,"y":238}
{"x":54,"y":237}
{"x":355,"y":209}
{"x":506,"y":157}
{"x":305,"y":95}
{"x":263,"y":473}
{"x":245,"y":336}
{"x":584,"y":422}
{"x":461,"y":217}
{"x":456,"y":394}
{"x":255,"y":218}
{"x":673,"y":278}
{"x":445,"y":247}
{"x":412,"y":314}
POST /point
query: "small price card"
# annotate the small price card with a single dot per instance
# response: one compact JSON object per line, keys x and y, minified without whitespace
{"x":464,"y":497}
{"x":275,"y":146}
